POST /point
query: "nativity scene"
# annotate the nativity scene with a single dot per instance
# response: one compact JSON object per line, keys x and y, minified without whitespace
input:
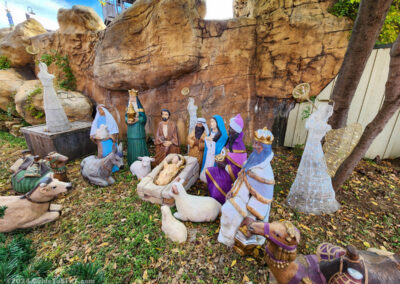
{"x":166,"y":142}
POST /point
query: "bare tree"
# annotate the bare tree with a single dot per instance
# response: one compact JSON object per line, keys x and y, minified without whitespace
{"x":370,"y":18}
{"x":390,"y":105}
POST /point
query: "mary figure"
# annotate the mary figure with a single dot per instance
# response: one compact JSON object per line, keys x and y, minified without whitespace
{"x":214,"y":143}
{"x":104,"y":133}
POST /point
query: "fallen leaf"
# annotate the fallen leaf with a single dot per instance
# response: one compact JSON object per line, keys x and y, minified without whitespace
{"x":233,"y":263}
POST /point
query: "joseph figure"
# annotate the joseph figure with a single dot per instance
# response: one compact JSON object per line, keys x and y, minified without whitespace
{"x":166,"y":139}
{"x":135,"y":118}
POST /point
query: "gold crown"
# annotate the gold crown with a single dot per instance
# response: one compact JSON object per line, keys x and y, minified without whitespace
{"x":133,"y":92}
{"x":264,"y":136}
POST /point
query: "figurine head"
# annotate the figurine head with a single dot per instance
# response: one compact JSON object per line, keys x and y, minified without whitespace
{"x":42,"y":66}
{"x":100,"y":110}
{"x":165,"y":114}
{"x":132,"y":94}
{"x":213,"y":123}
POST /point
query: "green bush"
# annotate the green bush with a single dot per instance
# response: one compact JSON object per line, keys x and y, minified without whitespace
{"x":390,"y":28}
{"x":86,"y":271}
{"x":66,"y":80}
{"x":29,"y":104}
{"x":5,"y":63}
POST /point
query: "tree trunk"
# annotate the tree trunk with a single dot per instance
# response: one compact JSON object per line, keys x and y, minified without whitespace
{"x":390,"y":105}
{"x":370,"y":18}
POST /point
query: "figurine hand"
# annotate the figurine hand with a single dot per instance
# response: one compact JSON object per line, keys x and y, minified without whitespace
{"x":248,"y":222}
{"x":167,"y":143}
{"x":208,"y":138}
{"x":221,"y":164}
{"x":229,"y":195}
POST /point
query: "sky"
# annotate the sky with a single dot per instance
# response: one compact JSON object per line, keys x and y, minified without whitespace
{"x":46,"y":10}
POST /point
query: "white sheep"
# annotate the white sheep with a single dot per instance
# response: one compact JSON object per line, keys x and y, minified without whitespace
{"x":142,"y":167}
{"x":173,"y":229}
{"x":193,"y":208}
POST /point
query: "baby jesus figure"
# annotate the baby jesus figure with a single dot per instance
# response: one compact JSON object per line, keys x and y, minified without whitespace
{"x":170,"y":170}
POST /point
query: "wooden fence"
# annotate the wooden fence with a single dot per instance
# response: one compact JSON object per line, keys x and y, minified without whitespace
{"x":366,"y":103}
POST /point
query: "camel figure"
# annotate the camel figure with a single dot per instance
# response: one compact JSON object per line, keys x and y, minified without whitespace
{"x":35,"y":207}
{"x":331,"y":264}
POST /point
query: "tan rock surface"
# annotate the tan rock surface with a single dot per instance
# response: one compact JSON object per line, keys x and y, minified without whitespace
{"x":76,"y":105}
{"x":246,"y":65}
{"x":79,"y":19}
{"x":10,"y":80}
{"x":13,"y":44}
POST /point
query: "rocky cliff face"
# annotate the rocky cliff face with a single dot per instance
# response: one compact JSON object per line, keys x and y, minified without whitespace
{"x":249,"y":64}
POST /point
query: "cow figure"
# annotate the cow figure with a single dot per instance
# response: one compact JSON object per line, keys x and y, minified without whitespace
{"x":35,"y":207}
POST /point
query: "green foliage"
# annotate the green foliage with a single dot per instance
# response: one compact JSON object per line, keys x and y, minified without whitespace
{"x":6,"y":137}
{"x":66,"y":80}
{"x":298,"y":150}
{"x":87,"y":271}
{"x":307,"y":111}
{"x":390,"y":28}
{"x":29,"y":104}
{"x":2,"y":211}
{"x":5,"y":63}
{"x":16,"y":261}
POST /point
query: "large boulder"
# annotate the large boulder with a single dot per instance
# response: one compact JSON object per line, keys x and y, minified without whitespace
{"x":10,"y":81}
{"x":13,"y":44}
{"x":29,"y":103}
{"x":79,"y":19}
{"x":4,"y":32}
{"x":149,"y":44}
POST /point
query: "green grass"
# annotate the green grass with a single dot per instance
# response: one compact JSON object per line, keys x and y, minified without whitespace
{"x":7,"y":138}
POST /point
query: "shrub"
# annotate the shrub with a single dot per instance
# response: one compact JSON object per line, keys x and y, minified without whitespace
{"x":5,"y":63}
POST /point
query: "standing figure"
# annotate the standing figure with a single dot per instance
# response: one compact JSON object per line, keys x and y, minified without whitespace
{"x":251,"y":194}
{"x":312,"y":190}
{"x":166,"y":139}
{"x":56,"y":119}
{"x":135,"y":118}
{"x":196,"y":139}
{"x":192,"y":110}
{"x":105,"y":143}
{"x":221,"y":178}
{"x":215,"y":142}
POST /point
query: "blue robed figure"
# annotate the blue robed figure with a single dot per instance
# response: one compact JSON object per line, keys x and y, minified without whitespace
{"x":214,"y":143}
{"x":104,"y":144}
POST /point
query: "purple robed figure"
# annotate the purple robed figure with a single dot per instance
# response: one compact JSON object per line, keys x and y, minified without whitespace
{"x":221,"y":178}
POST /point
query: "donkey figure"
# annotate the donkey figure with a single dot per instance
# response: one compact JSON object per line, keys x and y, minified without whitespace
{"x":98,"y":170}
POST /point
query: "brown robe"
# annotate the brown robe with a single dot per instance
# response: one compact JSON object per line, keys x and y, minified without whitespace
{"x":196,"y":146}
{"x":161,"y":150}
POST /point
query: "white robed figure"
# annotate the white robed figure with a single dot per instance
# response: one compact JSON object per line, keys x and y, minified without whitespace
{"x":56,"y":119}
{"x":312,"y":190}
{"x":106,"y":142}
{"x":251,"y":194}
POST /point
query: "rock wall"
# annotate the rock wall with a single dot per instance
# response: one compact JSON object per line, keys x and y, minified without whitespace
{"x":249,"y":64}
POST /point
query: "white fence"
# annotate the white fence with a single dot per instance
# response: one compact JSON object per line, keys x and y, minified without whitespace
{"x":366,"y":103}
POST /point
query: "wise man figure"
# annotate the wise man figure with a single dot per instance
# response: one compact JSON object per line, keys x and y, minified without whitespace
{"x":221,"y":178}
{"x":166,"y":139}
{"x":135,"y":118}
{"x":250,"y":196}
{"x":196,"y":139}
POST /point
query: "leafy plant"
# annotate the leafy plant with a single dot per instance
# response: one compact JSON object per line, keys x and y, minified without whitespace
{"x":307,"y":111}
{"x":29,"y":104}
{"x":66,"y":80}
{"x":87,"y":271}
{"x":5,"y":63}
{"x":298,"y":150}
{"x":2,"y":211}
{"x":390,"y":28}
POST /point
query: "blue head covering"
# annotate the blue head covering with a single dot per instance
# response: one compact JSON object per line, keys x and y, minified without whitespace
{"x":221,"y":142}
{"x":139,"y":104}
{"x":257,"y":158}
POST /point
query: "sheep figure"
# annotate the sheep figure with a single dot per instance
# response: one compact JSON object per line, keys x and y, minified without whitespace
{"x":142,"y":167}
{"x":173,"y":229}
{"x":193,"y":208}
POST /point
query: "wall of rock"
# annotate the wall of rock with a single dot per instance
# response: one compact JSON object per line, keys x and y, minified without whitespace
{"x":248,"y":64}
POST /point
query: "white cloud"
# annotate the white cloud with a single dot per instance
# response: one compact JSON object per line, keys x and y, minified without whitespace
{"x":45,"y":12}
{"x":219,"y":9}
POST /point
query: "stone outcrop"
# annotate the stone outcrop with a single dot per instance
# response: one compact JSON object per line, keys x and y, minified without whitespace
{"x":10,"y":80}
{"x":79,"y":19}
{"x":13,"y":44}
{"x":76,"y":105}
{"x":248,"y":65}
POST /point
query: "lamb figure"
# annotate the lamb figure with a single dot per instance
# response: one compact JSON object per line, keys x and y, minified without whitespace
{"x":142,"y":167}
{"x":193,"y":208}
{"x":173,"y":229}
